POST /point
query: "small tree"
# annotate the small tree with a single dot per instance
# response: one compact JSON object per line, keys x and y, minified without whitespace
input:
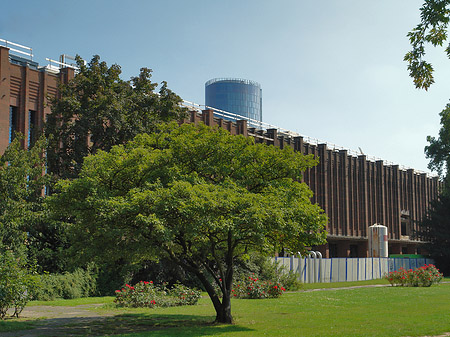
{"x":16,"y":284}
{"x":197,"y":196}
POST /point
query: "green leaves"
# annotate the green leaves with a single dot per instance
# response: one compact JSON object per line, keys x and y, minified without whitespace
{"x":433,"y":29}
{"x":438,"y":150}
{"x":188,"y":188}
{"x":21,"y":184}
{"x":196,"y":195}
{"x":97,"y":110}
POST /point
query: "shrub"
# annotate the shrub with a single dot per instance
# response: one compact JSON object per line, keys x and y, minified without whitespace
{"x":80,"y":283}
{"x":184,"y":295}
{"x":255,"y":288}
{"x":16,"y":284}
{"x":267,"y":269}
{"x":146,"y":294}
{"x":424,"y":276}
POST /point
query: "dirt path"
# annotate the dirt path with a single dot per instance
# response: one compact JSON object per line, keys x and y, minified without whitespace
{"x":59,"y":320}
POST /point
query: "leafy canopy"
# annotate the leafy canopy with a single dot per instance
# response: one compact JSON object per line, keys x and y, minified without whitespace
{"x":196,"y":195}
{"x":97,"y":110}
{"x":21,"y":184}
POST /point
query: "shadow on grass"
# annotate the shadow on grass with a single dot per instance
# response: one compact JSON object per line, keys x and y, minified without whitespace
{"x":129,"y":325}
{"x":10,"y":324}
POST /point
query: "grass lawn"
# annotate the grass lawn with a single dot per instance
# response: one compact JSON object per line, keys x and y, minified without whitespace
{"x":380,"y":311}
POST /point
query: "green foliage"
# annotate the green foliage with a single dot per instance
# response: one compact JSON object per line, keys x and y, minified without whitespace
{"x":145,"y":294}
{"x":255,"y":288}
{"x":266,"y":269}
{"x":21,"y":183}
{"x":435,"y":16}
{"x":195,"y":195}
{"x":184,"y":295}
{"x":420,"y":277}
{"x":16,"y":284}
{"x":435,"y":230}
{"x":438,"y":150}
{"x":80,"y":283}
{"x":97,"y":110}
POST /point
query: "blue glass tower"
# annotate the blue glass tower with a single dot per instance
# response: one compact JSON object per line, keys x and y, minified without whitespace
{"x":238,"y":96}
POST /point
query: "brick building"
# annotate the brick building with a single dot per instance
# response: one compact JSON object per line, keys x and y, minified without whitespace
{"x":24,"y":87}
{"x":354,"y":191}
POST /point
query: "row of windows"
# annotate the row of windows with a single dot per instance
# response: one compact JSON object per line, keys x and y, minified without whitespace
{"x":236,"y":88}
{"x":233,"y":97}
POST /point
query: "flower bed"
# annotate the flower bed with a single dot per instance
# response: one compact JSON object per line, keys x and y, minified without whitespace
{"x":253,"y":287}
{"x":420,"y":277}
{"x":146,"y":294}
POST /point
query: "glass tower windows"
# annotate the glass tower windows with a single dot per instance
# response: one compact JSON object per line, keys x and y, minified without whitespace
{"x":238,"y":96}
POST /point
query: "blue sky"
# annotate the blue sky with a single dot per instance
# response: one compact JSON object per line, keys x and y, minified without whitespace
{"x":329,"y":69}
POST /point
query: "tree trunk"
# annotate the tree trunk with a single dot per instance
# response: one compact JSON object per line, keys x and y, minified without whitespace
{"x":224,"y":311}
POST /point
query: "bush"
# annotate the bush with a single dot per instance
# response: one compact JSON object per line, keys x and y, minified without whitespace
{"x":16,"y":284}
{"x":80,"y":283}
{"x":184,"y":295}
{"x":255,"y":288}
{"x":420,"y":277}
{"x":146,"y":295}
{"x":266,"y":269}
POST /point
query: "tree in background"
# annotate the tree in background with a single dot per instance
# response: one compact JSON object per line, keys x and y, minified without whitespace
{"x":21,"y":185}
{"x":436,"y":230}
{"x":433,"y":28}
{"x":195,"y":195}
{"x":97,"y":110}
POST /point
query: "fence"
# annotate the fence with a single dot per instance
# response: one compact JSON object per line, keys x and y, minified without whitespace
{"x":312,"y":270}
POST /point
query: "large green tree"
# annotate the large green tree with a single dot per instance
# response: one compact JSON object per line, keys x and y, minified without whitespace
{"x":97,"y":109}
{"x":433,"y":29}
{"x":195,"y":195}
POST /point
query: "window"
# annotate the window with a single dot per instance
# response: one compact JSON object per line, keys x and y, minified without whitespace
{"x":404,"y":225}
{"x":332,"y":247}
{"x":13,"y":122}
{"x":31,"y":127}
{"x":353,"y":251}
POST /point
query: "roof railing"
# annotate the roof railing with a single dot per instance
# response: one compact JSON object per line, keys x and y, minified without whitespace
{"x":53,"y":64}
{"x":310,"y":140}
{"x":23,"y":50}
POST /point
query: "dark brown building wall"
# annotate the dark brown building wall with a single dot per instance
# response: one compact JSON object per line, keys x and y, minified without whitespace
{"x":25,"y":90}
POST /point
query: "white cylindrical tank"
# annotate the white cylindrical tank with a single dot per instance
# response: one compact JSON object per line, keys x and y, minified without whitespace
{"x":378,"y":241}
